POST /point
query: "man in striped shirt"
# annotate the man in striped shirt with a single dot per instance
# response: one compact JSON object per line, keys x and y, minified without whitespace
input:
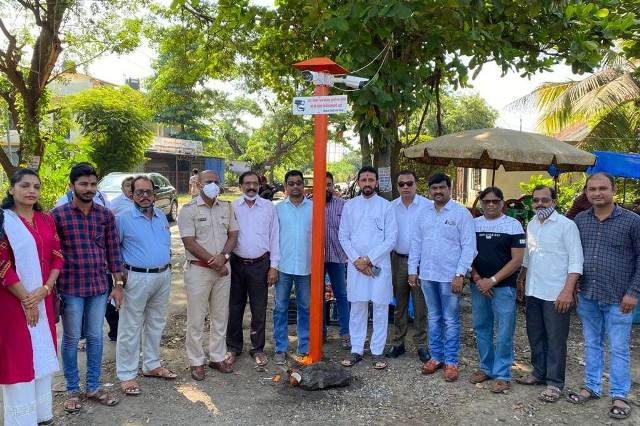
{"x":335,"y":262}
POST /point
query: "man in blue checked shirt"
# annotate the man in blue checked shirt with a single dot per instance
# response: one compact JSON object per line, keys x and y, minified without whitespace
{"x":443,"y":247}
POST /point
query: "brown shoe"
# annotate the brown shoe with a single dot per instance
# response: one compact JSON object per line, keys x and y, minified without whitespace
{"x":197,"y":372}
{"x":451,"y":373}
{"x":479,"y":377}
{"x":221,"y":366}
{"x":499,"y":386}
{"x":431,"y":366}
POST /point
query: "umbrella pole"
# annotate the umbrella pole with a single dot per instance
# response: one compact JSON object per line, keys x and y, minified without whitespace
{"x":493,"y":174}
{"x":555,"y":182}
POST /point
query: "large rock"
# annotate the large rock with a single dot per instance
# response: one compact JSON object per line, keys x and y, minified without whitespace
{"x":324,"y":376}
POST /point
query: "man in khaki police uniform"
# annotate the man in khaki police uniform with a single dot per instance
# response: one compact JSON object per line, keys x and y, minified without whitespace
{"x":209,"y":231}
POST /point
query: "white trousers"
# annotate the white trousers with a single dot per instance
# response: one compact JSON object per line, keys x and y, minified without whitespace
{"x":143,"y":315}
{"x":26,"y":404}
{"x":358,"y":319}
{"x":207,"y":293}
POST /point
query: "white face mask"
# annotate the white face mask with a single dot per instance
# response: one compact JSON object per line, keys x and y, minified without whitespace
{"x":211,"y":190}
{"x":250,"y":197}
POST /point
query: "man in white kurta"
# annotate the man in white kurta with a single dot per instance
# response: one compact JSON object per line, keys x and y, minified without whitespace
{"x":368,"y":233}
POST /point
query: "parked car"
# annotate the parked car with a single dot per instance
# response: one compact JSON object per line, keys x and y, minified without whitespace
{"x":166,"y":194}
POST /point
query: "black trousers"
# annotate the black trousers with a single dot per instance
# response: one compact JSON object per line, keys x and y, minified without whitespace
{"x":547,"y":331}
{"x":248,"y":280}
{"x":111,"y":315}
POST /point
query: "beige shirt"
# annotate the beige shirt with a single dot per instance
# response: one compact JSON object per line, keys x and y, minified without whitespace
{"x":209,"y":225}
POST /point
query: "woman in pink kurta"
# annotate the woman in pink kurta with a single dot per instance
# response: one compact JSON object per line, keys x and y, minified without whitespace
{"x":21,"y":309}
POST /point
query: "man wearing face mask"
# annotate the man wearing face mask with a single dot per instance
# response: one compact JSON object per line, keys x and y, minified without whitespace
{"x":145,"y":244}
{"x":254,"y":268}
{"x":209,"y":231}
{"x":552,"y":265}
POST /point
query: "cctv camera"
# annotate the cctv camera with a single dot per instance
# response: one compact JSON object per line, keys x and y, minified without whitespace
{"x":318,"y":78}
{"x":351,"y":81}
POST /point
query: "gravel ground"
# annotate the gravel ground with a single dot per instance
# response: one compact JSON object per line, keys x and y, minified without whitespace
{"x":399,"y":394}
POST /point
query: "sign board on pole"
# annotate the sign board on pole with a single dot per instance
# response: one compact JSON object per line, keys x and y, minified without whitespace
{"x":309,"y":105}
{"x":384,"y":182}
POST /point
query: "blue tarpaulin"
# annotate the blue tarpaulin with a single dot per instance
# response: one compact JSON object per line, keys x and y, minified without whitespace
{"x":617,"y":164}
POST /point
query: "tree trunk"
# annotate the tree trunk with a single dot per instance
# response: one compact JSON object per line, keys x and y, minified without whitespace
{"x":365,"y":148}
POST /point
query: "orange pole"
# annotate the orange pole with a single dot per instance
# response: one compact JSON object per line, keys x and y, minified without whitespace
{"x":320,"y":129}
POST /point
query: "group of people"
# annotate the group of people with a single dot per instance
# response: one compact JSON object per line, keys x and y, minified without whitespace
{"x":415,"y":250}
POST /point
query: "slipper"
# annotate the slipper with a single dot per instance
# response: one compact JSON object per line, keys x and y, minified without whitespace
{"x":379,"y":362}
{"x":103,"y":397}
{"x":529,"y":380}
{"x":345,"y":342}
{"x":161,"y":373}
{"x":352,"y":360}
{"x":550,"y":394}
{"x":261,"y":359}
{"x":619,"y":413}
{"x":130,"y":388}
{"x":72,"y":404}
{"x":577,"y":398}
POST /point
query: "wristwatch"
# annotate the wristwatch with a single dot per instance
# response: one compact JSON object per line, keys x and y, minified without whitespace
{"x":226,"y":255}
{"x":460,"y":275}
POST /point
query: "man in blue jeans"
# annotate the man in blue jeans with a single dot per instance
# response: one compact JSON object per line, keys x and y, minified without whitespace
{"x":89,"y":243}
{"x":501,"y":242}
{"x":443,"y":248}
{"x":608,"y":293}
{"x":294,"y":217}
{"x":335,"y":262}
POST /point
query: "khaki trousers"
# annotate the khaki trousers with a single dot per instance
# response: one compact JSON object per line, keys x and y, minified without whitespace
{"x":207,"y":293}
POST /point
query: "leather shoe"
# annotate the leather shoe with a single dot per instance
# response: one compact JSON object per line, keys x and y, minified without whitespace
{"x":424,"y":355}
{"x":395,"y":351}
{"x":197,"y":372}
{"x":221,"y":366}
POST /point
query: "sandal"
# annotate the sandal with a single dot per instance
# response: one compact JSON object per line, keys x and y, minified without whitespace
{"x":130,"y":387}
{"x":619,"y":413}
{"x":550,"y":394}
{"x":352,"y":360}
{"x":529,"y":380}
{"x":103,"y":397}
{"x":578,"y":398}
{"x":345,"y":342}
{"x":160,"y":373}
{"x":72,"y":404}
{"x":261,"y":359}
{"x":379,"y":362}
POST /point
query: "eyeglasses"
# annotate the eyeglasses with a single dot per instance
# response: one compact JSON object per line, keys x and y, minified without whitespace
{"x":495,"y":201}
{"x":541,"y":200}
{"x":212,"y":181}
{"x":295,"y":183}
{"x":407,"y":184}
{"x":142,"y":192}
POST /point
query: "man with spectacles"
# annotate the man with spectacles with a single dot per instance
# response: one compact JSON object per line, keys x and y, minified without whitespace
{"x":552,"y":265}
{"x":209,"y":231}
{"x":500,"y":242}
{"x":145,"y":244}
{"x":294,"y":217}
{"x":407,"y":207}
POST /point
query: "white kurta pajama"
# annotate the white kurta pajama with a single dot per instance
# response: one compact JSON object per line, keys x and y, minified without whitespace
{"x":368,"y":229}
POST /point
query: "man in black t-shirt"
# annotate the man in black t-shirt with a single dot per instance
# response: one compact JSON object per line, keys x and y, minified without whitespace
{"x":501,"y":242}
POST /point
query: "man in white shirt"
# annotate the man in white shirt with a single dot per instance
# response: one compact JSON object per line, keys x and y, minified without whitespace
{"x":123,"y":202}
{"x":368,"y":233}
{"x":443,"y":248}
{"x":254,"y":268}
{"x":408,"y":209}
{"x":552,"y":265}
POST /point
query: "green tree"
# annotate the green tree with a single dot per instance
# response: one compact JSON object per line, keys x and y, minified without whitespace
{"x":115,"y":123}
{"x":35,"y":33}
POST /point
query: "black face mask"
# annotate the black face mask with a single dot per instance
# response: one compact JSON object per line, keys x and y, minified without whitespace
{"x":143,"y":210}
{"x":329,"y":196}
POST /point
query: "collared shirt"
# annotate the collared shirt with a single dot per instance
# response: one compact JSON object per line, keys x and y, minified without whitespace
{"x":553,"y":251}
{"x":406,"y":219}
{"x":209,"y":225}
{"x":444,"y":243}
{"x":259,"y":230}
{"x":295,"y":236}
{"x":90,"y":247}
{"x":144,"y":242}
{"x":611,"y":255}
{"x":121,"y":204}
{"x":332,"y":249}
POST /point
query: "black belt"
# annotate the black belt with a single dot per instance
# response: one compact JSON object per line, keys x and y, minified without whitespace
{"x":147,"y":270}
{"x":251,"y":261}
{"x":406,"y":256}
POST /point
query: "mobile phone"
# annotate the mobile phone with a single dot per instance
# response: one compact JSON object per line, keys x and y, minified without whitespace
{"x":376,"y":270}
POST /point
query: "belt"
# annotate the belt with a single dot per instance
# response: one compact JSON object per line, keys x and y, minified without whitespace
{"x":406,"y":256}
{"x":147,"y":270}
{"x":251,"y":261}
{"x":200,"y":263}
